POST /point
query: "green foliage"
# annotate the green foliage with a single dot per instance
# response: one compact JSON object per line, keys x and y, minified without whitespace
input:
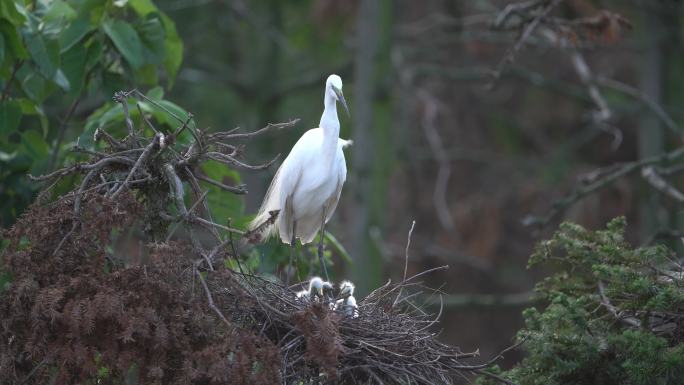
{"x":615,"y":314}
{"x":58,"y":55}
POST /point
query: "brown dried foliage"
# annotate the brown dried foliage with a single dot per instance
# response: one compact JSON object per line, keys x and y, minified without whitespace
{"x":67,"y":318}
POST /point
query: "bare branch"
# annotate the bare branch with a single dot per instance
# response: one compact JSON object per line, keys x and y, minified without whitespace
{"x":269,"y":127}
{"x":122,"y":98}
{"x":660,"y":184}
{"x":235,"y":190}
{"x":527,"y":32}
{"x":150,"y":147}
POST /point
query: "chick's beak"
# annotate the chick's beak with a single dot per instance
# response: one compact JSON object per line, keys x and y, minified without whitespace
{"x":340,"y":97}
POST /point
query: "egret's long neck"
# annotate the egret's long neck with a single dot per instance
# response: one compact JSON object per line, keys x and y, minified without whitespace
{"x":329,"y":121}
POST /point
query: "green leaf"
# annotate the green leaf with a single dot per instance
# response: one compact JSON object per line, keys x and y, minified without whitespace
{"x":37,"y":47}
{"x":173,"y":47}
{"x":94,"y":53}
{"x":61,"y":80}
{"x":152,"y":35}
{"x":74,"y":67}
{"x":147,"y":75}
{"x":155,"y":93}
{"x":8,"y":10}
{"x":164,"y":117}
{"x":59,"y":11}
{"x":10,"y":116}
{"x":143,"y":7}
{"x":34,"y":86}
{"x":13,"y":40}
{"x":74,"y":33}
{"x":7,"y":157}
{"x":126,"y":41}
{"x":34,"y":145}
{"x":28,"y":107}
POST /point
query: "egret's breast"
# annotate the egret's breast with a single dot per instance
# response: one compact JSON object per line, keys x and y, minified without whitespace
{"x":316,"y":187}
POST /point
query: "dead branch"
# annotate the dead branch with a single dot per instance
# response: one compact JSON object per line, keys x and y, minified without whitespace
{"x":659,"y":183}
{"x":527,"y":32}
{"x":235,"y":190}
{"x":617,"y":171}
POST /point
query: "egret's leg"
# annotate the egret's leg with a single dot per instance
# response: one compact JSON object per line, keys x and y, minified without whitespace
{"x":320,"y":248}
{"x":293,"y":245}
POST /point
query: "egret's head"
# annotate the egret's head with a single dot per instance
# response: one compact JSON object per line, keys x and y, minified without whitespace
{"x":346,"y":289}
{"x":328,"y":290}
{"x":316,"y":287}
{"x":334,"y":86}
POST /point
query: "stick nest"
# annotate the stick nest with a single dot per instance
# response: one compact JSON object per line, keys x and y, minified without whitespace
{"x":75,"y":314}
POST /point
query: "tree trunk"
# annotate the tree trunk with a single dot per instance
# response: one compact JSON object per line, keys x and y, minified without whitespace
{"x":365,"y":270}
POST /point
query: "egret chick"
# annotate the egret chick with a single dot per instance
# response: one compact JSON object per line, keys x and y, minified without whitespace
{"x":307,"y":186}
{"x":328,"y":289}
{"x":315,"y":289}
{"x":346,"y":289}
{"x":347,"y":306}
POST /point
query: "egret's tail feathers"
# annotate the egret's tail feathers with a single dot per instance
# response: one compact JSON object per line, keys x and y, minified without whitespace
{"x":265,"y":222}
{"x":345,"y":143}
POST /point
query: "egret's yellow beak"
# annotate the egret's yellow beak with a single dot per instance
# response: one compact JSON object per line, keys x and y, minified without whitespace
{"x":340,"y":97}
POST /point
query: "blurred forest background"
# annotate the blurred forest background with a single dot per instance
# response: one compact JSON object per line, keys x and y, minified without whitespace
{"x":487,"y":122}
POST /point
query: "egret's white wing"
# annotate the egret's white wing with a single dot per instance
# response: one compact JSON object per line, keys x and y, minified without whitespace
{"x":342,"y":177}
{"x":282,"y":186}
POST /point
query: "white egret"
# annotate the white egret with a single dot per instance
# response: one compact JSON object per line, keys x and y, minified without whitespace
{"x":316,"y":286}
{"x":347,"y":304}
{"x":328,"y":291}
{"x":307,"y":186}
{"x":346,"y":289}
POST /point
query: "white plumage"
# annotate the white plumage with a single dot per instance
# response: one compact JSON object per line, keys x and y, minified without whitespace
{"x":316,"y":288}
{"x":307,"y":186}
{"x":346,"y":288}
{"x":347,"y":306}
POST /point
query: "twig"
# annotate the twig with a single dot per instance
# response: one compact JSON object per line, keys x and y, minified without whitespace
{"x":406,"y":257}
{"x":268,"y":127}
{"x":527,"y":32}
{"x":494,"y":376}
{"x":629,"y":321}
{"x":431,"y":106}
{"x":80,"y":167}
{"x":235,"y":190}
{"x":110,"y":139}
{"x":147,"y":121}
{"x":229,"y":160}
{"x":62,"y":131}
{"x":210,"y":299}
{"x":660,"y":184}
{"x":194,"y":205}
{"x":648,"y":102}
{"x":581,"y":192}
{"x":8,"y":83}
{"x":176,"y":188}
{"x":154,"y":143}
{"x":222,"y":227}
{"x":122,"y":98}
